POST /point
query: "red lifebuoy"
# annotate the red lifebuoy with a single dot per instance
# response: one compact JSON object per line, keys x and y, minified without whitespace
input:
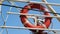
{"x":37,"y":6}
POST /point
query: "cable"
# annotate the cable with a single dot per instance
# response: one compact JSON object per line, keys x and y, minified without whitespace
{"x":28,"y":9}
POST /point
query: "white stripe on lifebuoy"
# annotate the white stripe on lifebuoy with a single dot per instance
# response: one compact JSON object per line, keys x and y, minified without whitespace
{"x":37,"y":6}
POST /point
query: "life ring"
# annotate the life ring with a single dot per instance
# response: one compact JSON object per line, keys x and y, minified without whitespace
{"x":37,"y":6}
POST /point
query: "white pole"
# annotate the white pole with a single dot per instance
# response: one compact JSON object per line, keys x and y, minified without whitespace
{"x":18,"y":27}
{"x":19,"y":0}
{"x":14,"y":13}
{"x":55,"y":4}
{"x":51,"y":9}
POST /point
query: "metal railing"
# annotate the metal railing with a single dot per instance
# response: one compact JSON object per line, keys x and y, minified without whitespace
{"x":31,"y":15}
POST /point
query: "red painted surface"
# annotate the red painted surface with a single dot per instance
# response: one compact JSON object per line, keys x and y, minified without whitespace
{"x":28,"y":24}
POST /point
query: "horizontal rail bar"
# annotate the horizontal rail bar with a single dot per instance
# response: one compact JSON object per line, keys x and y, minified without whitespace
{"x":37,"y":15}
{"x":18,"y":0}
{"x":25,"y":8}
{"x":28,"y":1}
{"x":20,"y":13}
{"x":17,"y":27}
{"x":54,"y":4}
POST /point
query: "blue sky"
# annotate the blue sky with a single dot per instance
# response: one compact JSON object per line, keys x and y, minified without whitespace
{"x":14,"y":20}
